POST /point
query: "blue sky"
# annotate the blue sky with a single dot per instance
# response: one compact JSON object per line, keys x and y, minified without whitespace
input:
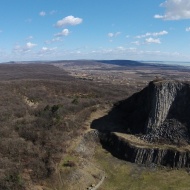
{"x":95,"y":29}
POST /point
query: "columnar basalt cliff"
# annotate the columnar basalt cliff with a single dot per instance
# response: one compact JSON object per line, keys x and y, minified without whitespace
{"x":161,"y":112}
{"x":158,"y":117}
{"x":125,"y":149}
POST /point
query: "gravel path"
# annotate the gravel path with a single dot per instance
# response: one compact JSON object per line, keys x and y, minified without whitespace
{"x":100,"y":183}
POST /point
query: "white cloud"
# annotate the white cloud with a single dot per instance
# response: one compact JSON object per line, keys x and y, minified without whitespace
{"x":46,"y":49}
{"x":175,"y":10}
{"x":153,"y":34}
{"x":111,"y":35}
{"x":57,"y":39}
{"x":143,"y":36}
{"x":158,"y":16}
{"x":160,"y":33}
{"x":153,"y":40}
{"x":42,"y":13}
{"x":120,"y":52}
{"x":30,"y":45}
{"x":121,"y":48}
{"x":187,"y":29}
{"x":136,"y":54}
{"x":136,"y":43}
{"x":69,"y":20}
{"x":64,"y":32}
{"x":24,"y":49}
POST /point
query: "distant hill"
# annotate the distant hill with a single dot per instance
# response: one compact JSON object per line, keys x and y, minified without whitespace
{"x":123,"y":62}
{"x":130,"y":63}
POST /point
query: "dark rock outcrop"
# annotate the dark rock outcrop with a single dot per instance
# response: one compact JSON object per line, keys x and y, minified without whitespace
{"x":124,"y":149}
{"x":158,"y":117}
{"x":161,"y":112}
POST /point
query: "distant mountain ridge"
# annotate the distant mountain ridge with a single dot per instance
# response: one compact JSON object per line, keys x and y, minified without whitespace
{"x":118,"y":62}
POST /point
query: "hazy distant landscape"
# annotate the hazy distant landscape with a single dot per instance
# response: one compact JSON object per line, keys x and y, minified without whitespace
{"x":123,"y":71}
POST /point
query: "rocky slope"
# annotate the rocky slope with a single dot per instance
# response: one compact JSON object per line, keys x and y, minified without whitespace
{"x":155,"y":126}
{"x":160,"y":112}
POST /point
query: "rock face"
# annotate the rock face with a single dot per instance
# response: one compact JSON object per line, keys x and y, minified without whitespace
{"x":156,"y":126}
{"x":161,"y":112}
{"x":148,"y":156}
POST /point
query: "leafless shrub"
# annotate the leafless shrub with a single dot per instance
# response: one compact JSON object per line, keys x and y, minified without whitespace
{"x":34,"y":137}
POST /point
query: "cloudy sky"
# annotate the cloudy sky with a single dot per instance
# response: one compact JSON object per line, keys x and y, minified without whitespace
{"x":95,"y":29}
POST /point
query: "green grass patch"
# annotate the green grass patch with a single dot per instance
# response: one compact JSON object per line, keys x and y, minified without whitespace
{"x":123,"y":175}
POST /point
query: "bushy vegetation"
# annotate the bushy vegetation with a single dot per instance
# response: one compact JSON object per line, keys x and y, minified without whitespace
{"x":41,"y":110}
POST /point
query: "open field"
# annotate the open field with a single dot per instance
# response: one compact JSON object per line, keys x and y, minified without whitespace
{"x":122,"y":175}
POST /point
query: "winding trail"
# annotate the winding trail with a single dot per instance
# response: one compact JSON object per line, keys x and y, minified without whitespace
{"x":85,"y":152}
{"x":100,"y":182}
{"x":96,"y":115}
{"x":100,"y":112}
